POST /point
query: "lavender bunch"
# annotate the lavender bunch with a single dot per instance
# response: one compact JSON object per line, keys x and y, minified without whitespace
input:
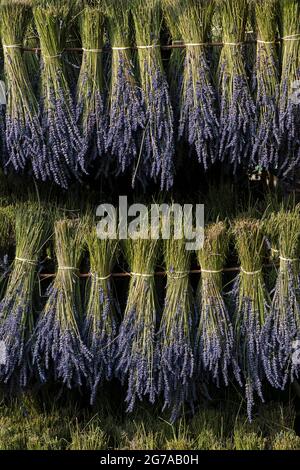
{"x":198,"y":118}
{"x":214,"y":348}
{"x":237,"y":108}
{"x":282,"y":327}
{"x":126,"y":108}
{"x":23,"y":132}
{"x":265,"y":151}
{"x":251,"y":304}
{"x":18,"y":306}
{"x":136,"y":360}
{"x":90,"y":88}
{"x":65,"y":146}
{"x":100,"y":323}
{"x":157,"y":144}
{"x":175,"y":337}
{"x":289,"y":109}
{"x":57,"y":346}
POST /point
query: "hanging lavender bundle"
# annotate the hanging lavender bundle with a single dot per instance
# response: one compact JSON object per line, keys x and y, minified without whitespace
{"x":237,"y":106}
{"x":100,"y":320}
{"x":18,"y":307}
{"x":127,"y":114}
{"x":24,"y":136}
{"x":214,"y":349}
{"x":265,"y":151}
{"x":157,"y":145}
{"x":176,"y":60}
{"x":65,"y":146}
{"x":289,"y":100}
{"x":282,"y":329}
{"x":250,"y":307}
{"x":198,"y":118}
{"x":90,"y":88}
{"x":56,"y":344}
{"x":175,"y":337}
{"x":137,"y":364}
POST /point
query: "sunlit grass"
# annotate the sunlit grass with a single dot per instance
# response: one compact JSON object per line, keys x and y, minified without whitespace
{"x":34,"y":424}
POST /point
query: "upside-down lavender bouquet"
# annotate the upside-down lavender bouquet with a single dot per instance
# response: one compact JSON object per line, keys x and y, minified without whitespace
{"x":251,"y":305}
{"x":282,"y":328}
{"x":175,"y":337}
{"x":90,"y":89}
{"x":289,"y":113}
{"x":126,"y":109}
{"x":156,"y":152}
{"x":57,"y":346}
{"x":136,"y":361}
{"x":199,"y":122}
{"x":101,"y":320}
{"x":214,"y":347}
{"x":65,"y":146}
{"x":18,"y":306}
{"x":237,"y":113}
{"x":265,"y":151}
{"x":24,"y":137}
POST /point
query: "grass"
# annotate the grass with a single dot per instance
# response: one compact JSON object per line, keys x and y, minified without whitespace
{"x":27,"y":423}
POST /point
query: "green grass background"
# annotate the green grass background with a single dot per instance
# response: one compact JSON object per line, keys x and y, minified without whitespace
{"x":34,"y":423}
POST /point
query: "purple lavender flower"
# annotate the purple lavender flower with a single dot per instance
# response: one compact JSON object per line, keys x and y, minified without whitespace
{"x":248,"y":334}
{"x":198,"y":117}
{"x":157,"y":145}
{"x":3,"y":148}
{"x":237,"y":118}
{"x":99,"y":333}
{"x":214,"y":347}
{"x":127,"y":115}
{"x":63,"y":156}
{"x":133,"y":363}
{"x":15,"y":317}
{"x":175,"y":348}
